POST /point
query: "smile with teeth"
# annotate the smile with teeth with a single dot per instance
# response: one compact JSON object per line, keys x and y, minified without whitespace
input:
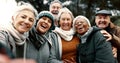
{"x":80,"y":28}
{"x":102,"y":23}
{"x":44,"y":26}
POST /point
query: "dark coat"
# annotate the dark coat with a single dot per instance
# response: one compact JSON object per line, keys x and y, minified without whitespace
{"x":95,"y":49}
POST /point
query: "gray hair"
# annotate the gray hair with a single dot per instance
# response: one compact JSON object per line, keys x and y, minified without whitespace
{"x":64,"y":10}
{"x":24,"y":6}
{"x":55,"y":1}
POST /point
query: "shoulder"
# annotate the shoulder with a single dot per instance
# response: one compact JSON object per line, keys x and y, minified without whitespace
{"x":53,"y":34}
{"x":4,"y":37}
{"x":96,"y":31}
{"x":96,"y":34}
{"x":3,"y":34}
{"x":117,"y":28}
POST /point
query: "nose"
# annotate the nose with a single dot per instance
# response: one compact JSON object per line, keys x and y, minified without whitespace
{"x":55,"y":8}
{"x":46,"y":21}
{"x":65,"y":21}
{"x":26,"y":20}
{"x":102,"y":19}
{"x":79,"y":23}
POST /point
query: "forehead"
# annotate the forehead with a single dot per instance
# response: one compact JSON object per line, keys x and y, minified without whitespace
{"x":80,"y":20}
{"x":66,"y":13}
{"x":25,"y":13}
{"x":56,"y":4}
{"x":102,"y":15}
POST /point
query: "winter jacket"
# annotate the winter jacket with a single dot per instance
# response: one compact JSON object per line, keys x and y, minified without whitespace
{"x":9,"y":41}
{"x":13,"y":39}
{"x":39,"y":46}
{"x":95,"y":49}
{"x":56,"y":53}
{"x":115,"y":32}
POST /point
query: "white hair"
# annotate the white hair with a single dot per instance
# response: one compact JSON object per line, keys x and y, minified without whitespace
{"x":64,"y":10}
{"x":24,"y":6}
{"x":83,"y":17}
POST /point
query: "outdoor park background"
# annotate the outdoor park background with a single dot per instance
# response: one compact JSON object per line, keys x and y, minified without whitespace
{"x":87,"y":8}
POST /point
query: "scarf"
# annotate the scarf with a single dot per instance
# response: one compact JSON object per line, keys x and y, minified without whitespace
{"x":19,"y":38}
{"x":66,"y":35}
{"x":85,"y":36}
{"x":38,"y":39}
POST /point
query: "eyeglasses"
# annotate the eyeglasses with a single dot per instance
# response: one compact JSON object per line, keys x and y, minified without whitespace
{"x":78,"y":23}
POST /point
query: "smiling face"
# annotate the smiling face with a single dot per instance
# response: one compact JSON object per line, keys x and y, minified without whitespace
{"x":102,"y":21}
{"x":65,"y":21}
{"x":81,"y":26}
{"x":54,"y":8}
{"x":23,"y":21}
{"x":43,"y":25}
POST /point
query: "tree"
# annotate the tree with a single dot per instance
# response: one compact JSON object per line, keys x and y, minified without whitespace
{"x":87,"y":8}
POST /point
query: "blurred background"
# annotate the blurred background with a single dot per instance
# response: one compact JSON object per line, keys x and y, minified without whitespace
{"x":87,"y":8}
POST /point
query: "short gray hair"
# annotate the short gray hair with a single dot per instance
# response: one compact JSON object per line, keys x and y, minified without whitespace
{"x":55,"y":1}
{"x":24,"y":6}
{"x":64,"y":10}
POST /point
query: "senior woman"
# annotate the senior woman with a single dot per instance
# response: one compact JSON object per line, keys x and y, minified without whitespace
{"x":41,"y":38}
{"x":15,"y":33}
{"x":93,"y":47}
{"x":66,"y":47}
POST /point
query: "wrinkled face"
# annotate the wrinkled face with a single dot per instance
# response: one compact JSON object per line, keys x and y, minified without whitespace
{"x":43,"y":25}
{"x":102,"y":21}
{"x":65,"y":21}
{"x":24,"y":21}
{"x":54,"y":8}
{"x":81,"y":26}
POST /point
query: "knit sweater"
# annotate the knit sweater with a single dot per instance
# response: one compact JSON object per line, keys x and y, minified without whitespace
{"x":69,"y":48}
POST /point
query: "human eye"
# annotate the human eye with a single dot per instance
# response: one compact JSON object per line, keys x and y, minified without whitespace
{"x":63,"y":19}
{"x":49,"y":21}
{"x":23,"y":16}
{"x":31,"y":20}
{"x":68,"y":19}
{"x":53,"y":7}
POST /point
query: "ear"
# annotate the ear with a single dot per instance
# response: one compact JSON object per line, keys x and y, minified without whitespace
{"x":12,"y":18}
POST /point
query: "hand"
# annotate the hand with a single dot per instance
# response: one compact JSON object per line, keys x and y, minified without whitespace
{"x":106,"y":35}
{"x":114,"y":50}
